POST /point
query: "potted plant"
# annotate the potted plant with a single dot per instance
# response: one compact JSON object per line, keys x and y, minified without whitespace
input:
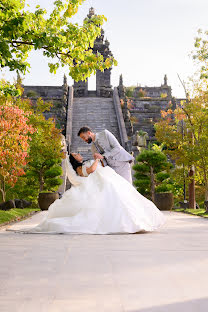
{"x":45,"y":199}
{"x":49,"y":181}
{"x":152,"y":177}
{"x":164,"y":197}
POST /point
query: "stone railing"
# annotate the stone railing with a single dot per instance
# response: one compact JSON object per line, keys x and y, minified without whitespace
{"x":62,"y":187}
{"x":69,"y":117}
{"x":66,"y":141}
{"x":122,"y":129}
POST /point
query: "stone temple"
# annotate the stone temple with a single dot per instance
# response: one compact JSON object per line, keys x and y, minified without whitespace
{"x":106,"y":107}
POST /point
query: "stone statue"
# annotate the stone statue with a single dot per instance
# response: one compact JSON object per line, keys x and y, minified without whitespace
{"x":91,"y":12}
{"x":165,"y":80}
{"x":140,"y":138}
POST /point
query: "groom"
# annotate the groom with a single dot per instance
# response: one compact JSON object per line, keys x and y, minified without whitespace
{"x":107,"y":148}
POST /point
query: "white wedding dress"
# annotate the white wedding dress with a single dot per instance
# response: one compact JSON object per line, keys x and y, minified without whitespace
{"x":102,"y":203}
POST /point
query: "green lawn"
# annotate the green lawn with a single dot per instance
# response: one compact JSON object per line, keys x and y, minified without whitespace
{"x":196,"y":212}
{"x":15,"y":214}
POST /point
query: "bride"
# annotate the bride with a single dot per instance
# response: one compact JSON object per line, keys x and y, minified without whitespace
{"x":99,"y":202}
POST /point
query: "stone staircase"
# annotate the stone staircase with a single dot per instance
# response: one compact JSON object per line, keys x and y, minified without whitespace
{"x":97,"y":113}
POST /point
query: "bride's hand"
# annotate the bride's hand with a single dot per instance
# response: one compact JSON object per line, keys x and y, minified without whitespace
{"x":98,"y":156}
{"x":93,"y":167}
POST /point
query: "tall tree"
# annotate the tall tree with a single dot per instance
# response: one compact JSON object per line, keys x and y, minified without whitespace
{"x":45,"y":151}
{"x":45,"y":155}
{"x":30,"y":148}
{"x":200,"y":53}
{"x":14,"y":144}
{"x":67,"y":43}
{"x":189,"y":146}
{"x":149,"y":164}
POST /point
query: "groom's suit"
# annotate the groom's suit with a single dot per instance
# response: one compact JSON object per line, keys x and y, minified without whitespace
{"x":115,"y":155}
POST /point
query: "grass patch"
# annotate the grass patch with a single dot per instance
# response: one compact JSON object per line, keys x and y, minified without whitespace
{"x":15,"y":214}
{"x":197,"y":212}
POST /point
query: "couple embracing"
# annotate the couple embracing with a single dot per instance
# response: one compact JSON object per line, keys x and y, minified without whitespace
{"x":102,"y":199}
{"x":106,"y":148}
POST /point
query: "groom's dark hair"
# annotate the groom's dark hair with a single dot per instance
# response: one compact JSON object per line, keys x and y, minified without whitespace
{"x":84,"y":130}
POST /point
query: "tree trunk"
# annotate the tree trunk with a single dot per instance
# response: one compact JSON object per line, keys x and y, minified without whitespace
{"x":2,"y":189}
{"x":3,"y":195}
{"x":206,"y":191}
{"x":192,"y":200}
{"x":41,"y":181}
{"x":152,"y":184}
{"x":205,"y":181}
{"x":184,"y":184}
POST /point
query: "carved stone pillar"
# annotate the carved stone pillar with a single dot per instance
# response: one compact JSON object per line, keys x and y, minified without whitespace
{"x":80,"y":88}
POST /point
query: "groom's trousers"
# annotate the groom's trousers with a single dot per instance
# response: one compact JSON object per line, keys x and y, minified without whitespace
{"x":123,"y":168}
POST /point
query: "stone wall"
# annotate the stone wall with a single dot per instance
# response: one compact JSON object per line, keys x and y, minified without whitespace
{"x":153,"y":92}
{"x":145,"y":112}
{"x":55,"y":94}
{"x":49,"y":92}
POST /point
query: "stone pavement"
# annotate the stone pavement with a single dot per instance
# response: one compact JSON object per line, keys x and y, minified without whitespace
{"x":164,"y":271}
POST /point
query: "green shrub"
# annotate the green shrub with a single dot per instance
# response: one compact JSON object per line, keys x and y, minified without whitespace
{"x":53,"y":172}
{"x":163,"y":188}
{"x":32,"y":94}
{"x":129,"y":91}
{"x":151,"y":170}
{"x":161,"y":176}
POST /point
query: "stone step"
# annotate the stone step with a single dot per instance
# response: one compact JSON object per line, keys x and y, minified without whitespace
{"x":95,"y":112}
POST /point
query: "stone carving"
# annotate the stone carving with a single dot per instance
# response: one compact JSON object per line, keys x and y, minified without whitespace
{"x":165,"y":80}
{"x":139,"y":141}
{"x":81,"y":88}
{"x":127,"y":120}
{"x":140,"y":138}
{"x":121,"y":87}
{"x":91,"y":12}
{"x":103,"y":78}
{"x":65,"y":92}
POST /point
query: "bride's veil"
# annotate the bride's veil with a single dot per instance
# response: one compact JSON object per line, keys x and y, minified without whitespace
{"x":71,"y":174}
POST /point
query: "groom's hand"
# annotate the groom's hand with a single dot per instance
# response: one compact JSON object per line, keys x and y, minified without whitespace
{"x":98,"y":156}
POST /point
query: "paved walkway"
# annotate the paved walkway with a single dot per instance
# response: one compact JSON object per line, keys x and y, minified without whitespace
{"x":164,"y":271}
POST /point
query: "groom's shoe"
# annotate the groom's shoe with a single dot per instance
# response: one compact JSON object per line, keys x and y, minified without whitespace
{"x":60,"y":194}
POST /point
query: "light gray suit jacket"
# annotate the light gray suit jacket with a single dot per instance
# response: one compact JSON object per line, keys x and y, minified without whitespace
{"x":112,"y":149}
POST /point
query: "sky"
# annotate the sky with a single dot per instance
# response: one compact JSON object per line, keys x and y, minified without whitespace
{"x":148,"y":38}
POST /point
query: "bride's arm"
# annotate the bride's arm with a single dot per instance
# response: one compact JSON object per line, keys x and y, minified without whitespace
{"x":93,"y":167}
{"x":89,"y":170}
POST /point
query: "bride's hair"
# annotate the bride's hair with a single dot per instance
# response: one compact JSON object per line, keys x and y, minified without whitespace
{"x":75,"y":163}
